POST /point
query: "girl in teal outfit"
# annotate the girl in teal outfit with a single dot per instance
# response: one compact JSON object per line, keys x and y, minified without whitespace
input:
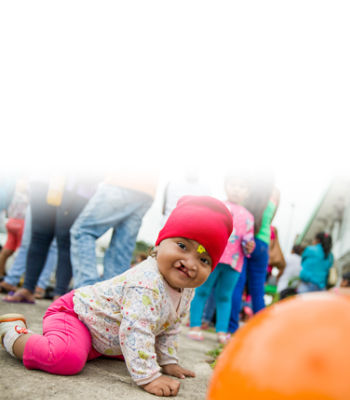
{"x":316,"y":262}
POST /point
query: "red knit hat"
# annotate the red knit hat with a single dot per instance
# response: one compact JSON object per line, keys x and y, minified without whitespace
{"x":201,"y":218}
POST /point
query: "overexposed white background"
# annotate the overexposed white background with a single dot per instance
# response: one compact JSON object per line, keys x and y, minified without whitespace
{"x":95,"y":86}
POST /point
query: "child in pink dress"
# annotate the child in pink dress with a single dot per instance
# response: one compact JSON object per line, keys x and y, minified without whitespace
{"x":137,"y":314}
{"x":226,"y":275}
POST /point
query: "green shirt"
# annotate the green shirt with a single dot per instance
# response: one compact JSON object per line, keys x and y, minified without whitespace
{"x":264,"y":233}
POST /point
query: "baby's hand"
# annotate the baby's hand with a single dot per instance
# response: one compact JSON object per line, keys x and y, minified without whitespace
{"x":176,"y":370}
{"x":163,"y":386}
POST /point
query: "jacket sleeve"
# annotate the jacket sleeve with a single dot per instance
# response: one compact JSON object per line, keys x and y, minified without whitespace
{"x":166,"y":344}
{"x":141,"y":310}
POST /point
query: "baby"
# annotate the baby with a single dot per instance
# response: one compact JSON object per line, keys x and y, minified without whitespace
{"x":137,"y":315}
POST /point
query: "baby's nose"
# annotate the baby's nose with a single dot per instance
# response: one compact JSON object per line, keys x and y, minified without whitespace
{"x":192,"y":263}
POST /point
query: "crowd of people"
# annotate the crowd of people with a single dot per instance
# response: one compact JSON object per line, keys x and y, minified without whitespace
{"x":211,"y":258}
{"x":56,"y":225}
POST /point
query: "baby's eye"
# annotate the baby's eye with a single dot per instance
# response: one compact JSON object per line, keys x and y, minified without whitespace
{"x":181,"y":245}
{"x":205,"y":261}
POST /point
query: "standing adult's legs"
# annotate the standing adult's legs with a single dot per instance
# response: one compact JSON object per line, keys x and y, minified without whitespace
{"x":128,"y":219}
{"x":67,"y":213}
{"x":49,"y":267}
{"x":19,"y":265}
{"x":95,"y":219}
{"x":43,"y":228}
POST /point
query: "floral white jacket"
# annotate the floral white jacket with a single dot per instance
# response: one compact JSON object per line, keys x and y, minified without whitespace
{"x":133,"y":314}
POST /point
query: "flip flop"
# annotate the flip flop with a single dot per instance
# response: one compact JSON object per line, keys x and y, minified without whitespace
{"x":19,"y":296}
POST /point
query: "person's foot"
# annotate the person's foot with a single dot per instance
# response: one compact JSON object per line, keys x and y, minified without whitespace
{"x":195,"y":334}
{"x":248,"y":311}
{"x":223,"y":337}
{"x":20,"y":296}
{"x":39,"y":293}
{"x":6,"y":287}
{"x":205,"y":325}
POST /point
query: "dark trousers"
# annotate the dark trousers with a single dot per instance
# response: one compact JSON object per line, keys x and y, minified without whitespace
{"x":48,"y":222}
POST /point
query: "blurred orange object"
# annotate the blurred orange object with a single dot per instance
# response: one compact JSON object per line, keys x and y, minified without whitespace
{"x":297,"y":349}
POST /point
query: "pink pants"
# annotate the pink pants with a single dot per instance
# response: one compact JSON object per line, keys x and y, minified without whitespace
{"x":65,"y":345}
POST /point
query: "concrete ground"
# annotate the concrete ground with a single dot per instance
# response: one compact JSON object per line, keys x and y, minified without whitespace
{"x":101,"y":378}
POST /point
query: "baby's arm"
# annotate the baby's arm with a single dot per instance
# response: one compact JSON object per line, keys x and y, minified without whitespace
{"x":166,"y":347}
{"x":137,"y":341}
{"x":165,"y":386}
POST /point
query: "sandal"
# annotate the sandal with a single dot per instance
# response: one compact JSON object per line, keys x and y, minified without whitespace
{"x":20,"y":296}
{"x":223,"y":338}
{"x":195,"y":335}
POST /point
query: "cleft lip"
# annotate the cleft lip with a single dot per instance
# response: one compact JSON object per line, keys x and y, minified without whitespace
{"x":183,"y":269}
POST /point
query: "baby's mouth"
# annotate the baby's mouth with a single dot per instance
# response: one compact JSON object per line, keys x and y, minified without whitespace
{"x":184,"y":270}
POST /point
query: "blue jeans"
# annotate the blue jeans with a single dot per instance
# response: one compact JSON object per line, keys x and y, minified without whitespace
{"x":306,"y":287}
{"x":48,"y":222}
{"x":224,"y":278}
{"x":19,"y":265}
{"x":111,"y":207}
{"x":254,"y":271}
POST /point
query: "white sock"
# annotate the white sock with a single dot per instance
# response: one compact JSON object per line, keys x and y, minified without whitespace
{"x":12,"y":335}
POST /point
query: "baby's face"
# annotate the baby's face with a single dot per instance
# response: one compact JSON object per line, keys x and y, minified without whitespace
{"x":183,"y":263}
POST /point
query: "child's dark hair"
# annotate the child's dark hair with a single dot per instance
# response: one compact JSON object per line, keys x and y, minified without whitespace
{"x":297,"y":249}
{"x":326,"y":242}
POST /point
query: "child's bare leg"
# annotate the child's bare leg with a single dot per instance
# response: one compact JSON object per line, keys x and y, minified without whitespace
{"x":4,"y":255}
{"x":19,"y":345}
